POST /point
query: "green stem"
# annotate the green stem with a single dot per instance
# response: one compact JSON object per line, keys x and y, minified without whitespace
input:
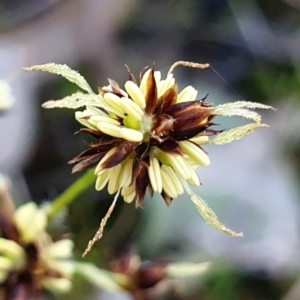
{"x":72,"y":192}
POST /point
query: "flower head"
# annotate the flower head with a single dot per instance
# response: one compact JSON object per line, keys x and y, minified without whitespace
{"x":29,"y":259}
{"x":149,"y":135}
{"x":137,"y":275}
{"x":155,"y":279}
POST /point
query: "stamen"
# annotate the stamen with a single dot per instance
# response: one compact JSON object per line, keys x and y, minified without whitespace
{"x":79,"y":116}
{"x":128,"y":193}
{"x":194,"y":152}
{"x":135,"y":93}
{"x":131,"y":135}
{"x":200,"y":140}
{"x":90,"y":110}
{"x":104,"y":119}
{"x":129,"y":198}
{"x":125,"y":177}
{"x":157,"y":76}
{"x":179,"y":166}
{"x":6,"y":263}
{"x":164,"y":85}
{"x":103,"y":179}
{"x":109,"y":129}
{"x":104,"y":158}
{"x":176,"y":182}
{"x":113,"y":184}
{"x":132,"y":109}
{"x":12,"y":250}
{"x":194,"y":179}
{"x":155,"y":175}
{"x":144,"y":83}
{"x":112,"y":100}
{"x":128,"y":190}
{"x":168,"y":185}
{"x":61,"y":249}
{"x":57,"y":284}
{"x":187,"y":94}
{"x":114,"y":103}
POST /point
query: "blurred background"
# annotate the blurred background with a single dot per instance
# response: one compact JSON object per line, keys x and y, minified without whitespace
{"x":253,"y":47}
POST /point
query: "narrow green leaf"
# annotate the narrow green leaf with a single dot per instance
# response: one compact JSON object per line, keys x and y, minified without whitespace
{"x":99,"y":277}
{"x":187,"y":269}
{"x":64,"y":71}
{"x":72,"y":193}
{"x":189,"y":277}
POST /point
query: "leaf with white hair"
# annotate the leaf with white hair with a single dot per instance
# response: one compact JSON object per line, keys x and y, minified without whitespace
{"x":65,"y":71}
{"x":76,"y":100}
{"x":235,"y":133}
{"x":207,"y":213}
{"x":241,"y":109}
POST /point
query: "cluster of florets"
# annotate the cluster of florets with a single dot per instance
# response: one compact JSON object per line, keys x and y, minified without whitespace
{"x":148,"y":136}
{"x":30,"y":260}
